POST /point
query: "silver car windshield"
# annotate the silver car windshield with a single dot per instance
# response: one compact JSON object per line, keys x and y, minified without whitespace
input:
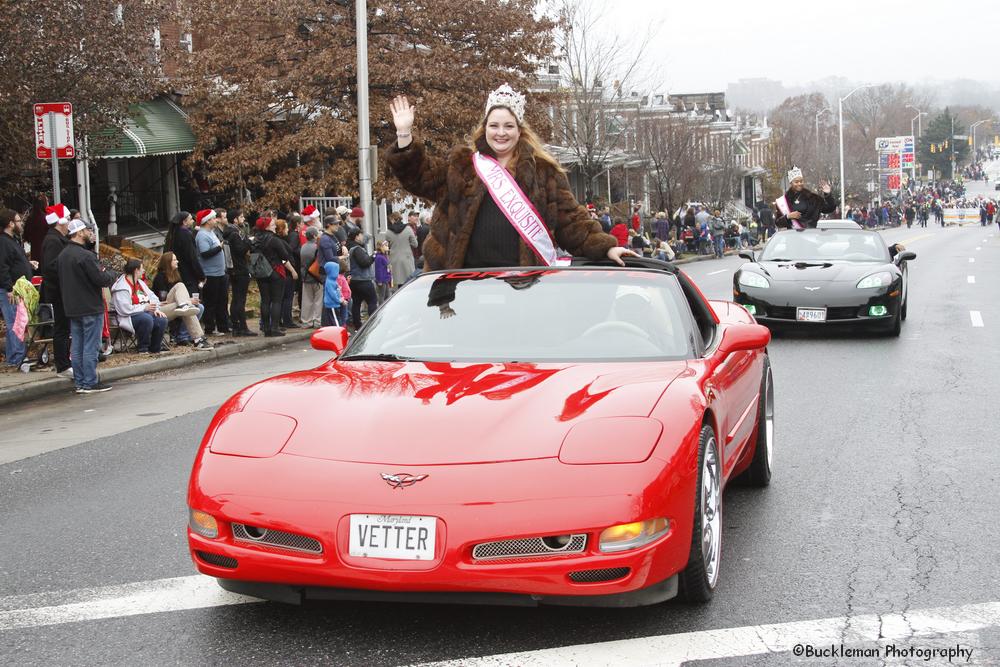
{"x":826,"y":245}
{"x":532,"y":316}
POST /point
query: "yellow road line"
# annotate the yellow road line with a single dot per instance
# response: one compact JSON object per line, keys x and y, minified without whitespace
{"x":917,"y":238}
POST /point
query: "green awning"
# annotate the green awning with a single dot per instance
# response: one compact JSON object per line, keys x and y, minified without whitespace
{"x":157,"y":127}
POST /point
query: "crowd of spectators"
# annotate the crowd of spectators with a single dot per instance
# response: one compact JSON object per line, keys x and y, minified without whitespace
{"x":321,"y":269}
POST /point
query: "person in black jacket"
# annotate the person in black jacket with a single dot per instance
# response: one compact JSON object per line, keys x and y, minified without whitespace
{"x":805,"y":206}
{"x":80,"y":282}
{"x":272,"y":288}
{"x":14,"y":264}
{"x":289,"y":237}
{"x":55,"y":241}
{"x":235,"y":235}
{"x":180,"y":241}
{"x":362,"y":277}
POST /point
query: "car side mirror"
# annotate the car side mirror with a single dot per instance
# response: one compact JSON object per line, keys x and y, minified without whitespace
{"x":747,"y":255}
{"x":904,"y":256}
{"x":333,"y":339}
{"x":738,"y":337}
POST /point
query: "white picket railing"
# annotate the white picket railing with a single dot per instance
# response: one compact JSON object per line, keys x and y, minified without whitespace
{"x":325,"y":204}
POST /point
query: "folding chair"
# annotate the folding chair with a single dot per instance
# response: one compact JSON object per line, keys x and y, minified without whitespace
{"x":121,"y":339}
{"x":39,"y":333}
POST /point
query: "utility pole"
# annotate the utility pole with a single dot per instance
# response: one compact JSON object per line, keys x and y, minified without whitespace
{"x":364,"y":149}
{"x":952,"y":147}
{"x":840,"y":116}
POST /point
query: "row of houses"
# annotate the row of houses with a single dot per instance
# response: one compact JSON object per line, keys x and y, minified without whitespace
{"x":730,"y":148}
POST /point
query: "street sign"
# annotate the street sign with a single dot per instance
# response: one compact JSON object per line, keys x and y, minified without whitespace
{"x":61,"y":138}
{"x":961,"y":137}
{"x":894,"y":155}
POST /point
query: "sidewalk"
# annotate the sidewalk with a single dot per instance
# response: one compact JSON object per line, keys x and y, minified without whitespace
{"x":16,"y":387}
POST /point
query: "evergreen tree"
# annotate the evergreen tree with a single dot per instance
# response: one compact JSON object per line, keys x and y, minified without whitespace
{"x":937,"y":144}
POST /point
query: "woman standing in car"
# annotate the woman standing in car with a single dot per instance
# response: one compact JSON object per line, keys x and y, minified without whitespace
{"x":480,"y":218}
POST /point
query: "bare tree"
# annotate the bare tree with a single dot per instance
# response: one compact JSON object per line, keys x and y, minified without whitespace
{"x":798,"y":139}
{"x":599,"y":68}
{"x":669,"y":144}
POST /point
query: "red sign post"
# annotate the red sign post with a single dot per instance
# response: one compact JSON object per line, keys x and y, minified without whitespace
{"x":61,"y":138}
{"x":54,"y":138}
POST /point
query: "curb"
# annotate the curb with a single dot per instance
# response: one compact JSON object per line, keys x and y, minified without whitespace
{"x":56,"y":385}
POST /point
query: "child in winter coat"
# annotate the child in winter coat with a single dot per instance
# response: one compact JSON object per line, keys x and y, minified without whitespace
{"x":345,"y":294}
{"x":332,"y":296}
{"x":383,"y":272}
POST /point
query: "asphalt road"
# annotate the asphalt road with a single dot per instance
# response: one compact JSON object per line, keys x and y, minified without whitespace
{"x":883,"y":502}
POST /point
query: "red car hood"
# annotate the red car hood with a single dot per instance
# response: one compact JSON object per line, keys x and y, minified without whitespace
{"x":439,"y":413}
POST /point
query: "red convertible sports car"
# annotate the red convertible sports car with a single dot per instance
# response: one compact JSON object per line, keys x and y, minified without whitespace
{"x":513,"y":436}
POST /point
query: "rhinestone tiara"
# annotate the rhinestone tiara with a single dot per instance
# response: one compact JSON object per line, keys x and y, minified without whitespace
{"x":794,"y":173}
{"x":505,"y":96}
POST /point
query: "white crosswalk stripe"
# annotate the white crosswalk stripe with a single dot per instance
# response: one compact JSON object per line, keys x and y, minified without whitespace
{"x":664,"y":650}
{"x":145,"y":597}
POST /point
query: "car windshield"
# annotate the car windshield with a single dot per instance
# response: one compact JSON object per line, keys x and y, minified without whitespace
{"x":555,"y":315}
{"x":813,"y":245}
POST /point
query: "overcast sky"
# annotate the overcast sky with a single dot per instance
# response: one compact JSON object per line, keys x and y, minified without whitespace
{"x":705,"y":44}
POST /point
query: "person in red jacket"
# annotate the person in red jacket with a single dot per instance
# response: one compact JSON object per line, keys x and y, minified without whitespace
{"x":620,"y":231}
{"x":636,"y":218}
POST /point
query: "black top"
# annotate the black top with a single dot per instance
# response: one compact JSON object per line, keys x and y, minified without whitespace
{"x":187,"y":258}
{"x":274,"y":248}
{"x":239,"y":246}
{"x":162,"y":284}
{"x":13,"y":262}
{"x":51,"y":247}
{"x":494,"y":240}
{"x":80,"y":281}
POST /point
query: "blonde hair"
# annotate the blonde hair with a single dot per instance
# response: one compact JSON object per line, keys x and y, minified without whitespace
{"x":527,"y":144}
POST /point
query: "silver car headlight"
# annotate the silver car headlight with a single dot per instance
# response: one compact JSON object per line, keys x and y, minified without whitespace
{"x":748,"y":279}
{"x":880,"y":279}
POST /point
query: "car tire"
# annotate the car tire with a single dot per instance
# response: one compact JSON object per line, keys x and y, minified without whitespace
{"x":697,"y":582}
{"x":906,"y":297}
{"x":897,"y":326}
{"x":759,"y":472}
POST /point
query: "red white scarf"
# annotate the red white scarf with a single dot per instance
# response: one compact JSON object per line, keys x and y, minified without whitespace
{"x":518,"y":209}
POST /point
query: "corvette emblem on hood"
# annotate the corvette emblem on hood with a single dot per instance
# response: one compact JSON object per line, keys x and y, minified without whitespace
{"x":812,"y":289}
{"x":402,"y":480}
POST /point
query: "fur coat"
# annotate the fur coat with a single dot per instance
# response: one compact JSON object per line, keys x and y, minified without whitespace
{"x":455,"y":189}
{"x":810,"y":204}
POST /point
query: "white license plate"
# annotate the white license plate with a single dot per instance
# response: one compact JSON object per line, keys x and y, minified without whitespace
{"x":810,"y":314}
{"x":393,"y":536}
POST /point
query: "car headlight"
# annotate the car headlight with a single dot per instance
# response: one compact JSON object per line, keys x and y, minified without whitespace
{"x":748,"y":279}
{"x":880,"y":279}
{"x":204,"y":524}
{"x":627,"y":536}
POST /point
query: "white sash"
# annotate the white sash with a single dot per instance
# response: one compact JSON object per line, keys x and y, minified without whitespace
{"x":517,"y":208}
{"x":782,"y":204}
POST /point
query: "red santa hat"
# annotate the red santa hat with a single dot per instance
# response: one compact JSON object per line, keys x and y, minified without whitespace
{"x":357,"y":212}
{"x":310,"y":213}
{"x":56,"y":214}
{"x":204,"y":216}
{"x":262,"y":223}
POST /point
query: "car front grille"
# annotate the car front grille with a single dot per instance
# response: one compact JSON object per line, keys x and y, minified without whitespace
{"x":529,"y":547}
{"x":832,"y":314}
{"x":217,"y":559}
{"x":276,"y":539}
{"x":595,"y":576}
